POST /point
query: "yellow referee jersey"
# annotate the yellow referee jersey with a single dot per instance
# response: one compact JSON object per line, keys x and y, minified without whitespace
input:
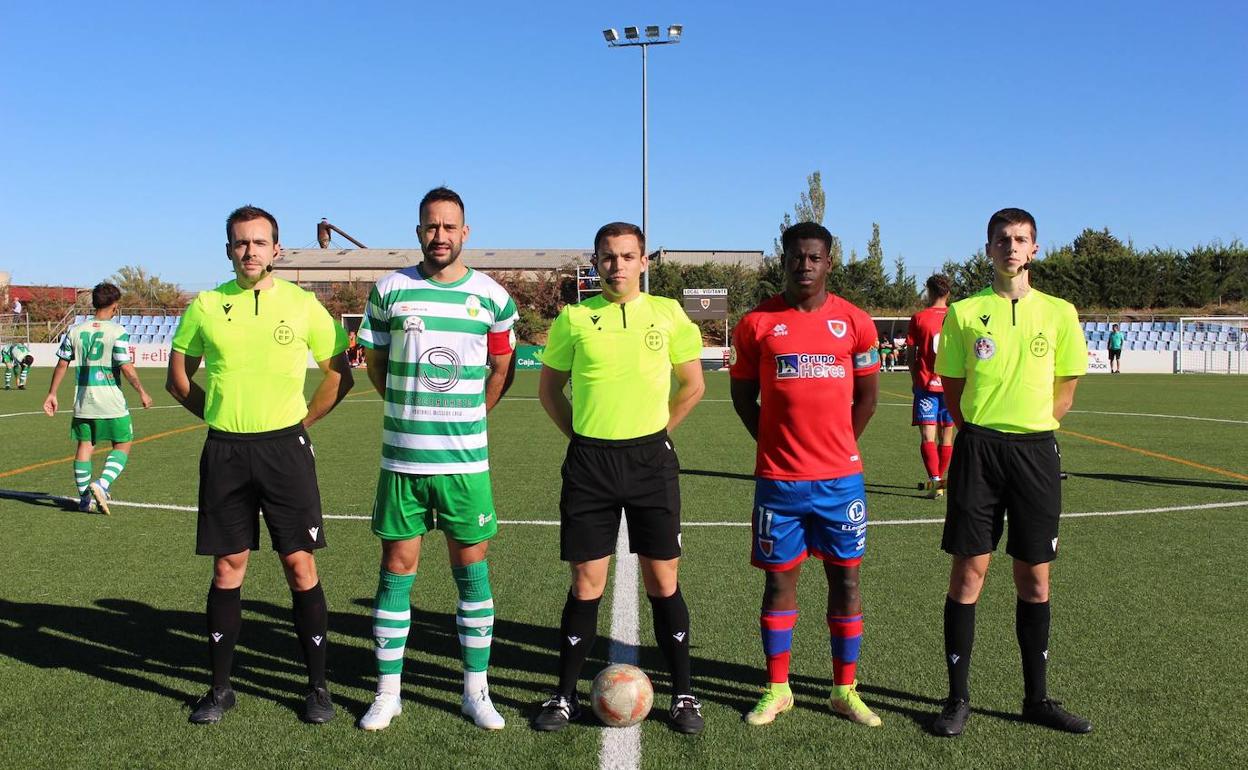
{"x":621,"y":356}
{"x":1009,"y":352}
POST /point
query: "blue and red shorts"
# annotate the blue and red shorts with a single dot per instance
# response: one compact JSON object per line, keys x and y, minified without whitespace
{"x":929,"y":409}
{"x":795,"y":519}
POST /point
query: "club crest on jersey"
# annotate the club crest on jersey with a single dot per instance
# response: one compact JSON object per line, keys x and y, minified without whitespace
{"x":803,"y":366}
{"x":473,"y":306}
{"x":985,"y":348}
{"x":838,"y":328}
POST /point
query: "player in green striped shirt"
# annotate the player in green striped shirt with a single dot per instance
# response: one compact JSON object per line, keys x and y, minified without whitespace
{"x":16,"y":356}
{"x":439,"y":345}
{"x":99,"y":345}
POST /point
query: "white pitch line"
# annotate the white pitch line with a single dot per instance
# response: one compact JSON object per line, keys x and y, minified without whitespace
{"x":621,"y":746}
{"x":19,"y":494}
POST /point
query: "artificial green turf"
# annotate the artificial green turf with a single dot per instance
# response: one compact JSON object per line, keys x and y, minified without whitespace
{"x":101,"y":624}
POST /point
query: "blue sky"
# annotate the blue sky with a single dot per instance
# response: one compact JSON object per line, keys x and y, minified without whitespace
{"x":129,"y":130}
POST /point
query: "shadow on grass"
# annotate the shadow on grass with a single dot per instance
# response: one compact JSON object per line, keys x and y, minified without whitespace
{"x":136,"y":646}
{"x":1162,"y":481}
{"x":41,"y":499}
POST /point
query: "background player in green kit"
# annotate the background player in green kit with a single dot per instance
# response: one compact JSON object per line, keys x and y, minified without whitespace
{"x":439,"y":346}
{"x":1009,"y":358}
{"x":100,"y":412}
{"x":16,"y":357}
{"x":254,"y":335}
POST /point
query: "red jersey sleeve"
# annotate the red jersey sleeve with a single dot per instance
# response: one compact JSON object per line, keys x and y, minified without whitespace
{"x":866,"y":347}
{"x":743,"y":359}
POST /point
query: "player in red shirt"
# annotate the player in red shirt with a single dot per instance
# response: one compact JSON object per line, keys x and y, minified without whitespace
{"x":929,"y":412}
{"x":814,"y":359}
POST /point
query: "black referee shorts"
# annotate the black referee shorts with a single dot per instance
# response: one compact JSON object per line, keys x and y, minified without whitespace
{"x":242,"y":473}
{"x":994,"y":474}
{"x":640,"y":476}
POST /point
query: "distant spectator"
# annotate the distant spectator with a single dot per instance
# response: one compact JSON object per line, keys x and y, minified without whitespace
{"x":1115,"y":350}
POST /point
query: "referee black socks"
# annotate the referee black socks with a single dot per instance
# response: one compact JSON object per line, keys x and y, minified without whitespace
{"x":311,"y":623}
{"x":1031,"y":623}
{"x":225,"y":617}
{"x":671,"y":631}
{"x":578,"y":629}
{"x":959,"y":638}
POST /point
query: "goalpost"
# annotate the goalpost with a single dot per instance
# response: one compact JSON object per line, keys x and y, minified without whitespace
{"x":1213,"y":345}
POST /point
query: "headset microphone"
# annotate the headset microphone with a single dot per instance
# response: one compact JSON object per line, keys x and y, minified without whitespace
{"x":268,"y":268}
{"x":1026,"y":265}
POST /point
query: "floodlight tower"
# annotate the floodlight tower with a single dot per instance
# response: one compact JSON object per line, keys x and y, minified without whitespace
{"x":633,"y":38}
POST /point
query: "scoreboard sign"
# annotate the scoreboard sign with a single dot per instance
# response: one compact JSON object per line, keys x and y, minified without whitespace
{"x":706,"y":304}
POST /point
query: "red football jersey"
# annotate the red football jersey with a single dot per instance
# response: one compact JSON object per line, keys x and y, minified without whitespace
{"x":922,"y":338}
{"x":805,"y":364}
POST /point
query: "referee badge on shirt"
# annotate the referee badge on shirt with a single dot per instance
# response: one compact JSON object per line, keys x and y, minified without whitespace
{"x":654,"y":339}
{"x":1039,"y":346}
{"x":985,"y":348}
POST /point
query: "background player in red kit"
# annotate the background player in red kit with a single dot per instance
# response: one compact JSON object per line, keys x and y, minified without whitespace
{"x":814,"y":358}
{"x":929,"y":411}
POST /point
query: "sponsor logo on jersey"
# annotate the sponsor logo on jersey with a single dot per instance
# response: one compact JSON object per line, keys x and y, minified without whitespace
{"x":838,"y":328}
{"x":984,"y":319}
{"x":732,"y":356}
{"x":985,"y":348}
{"x":856,"y":511}
{"x":780,"y":330}
{"x":439,"y":369}
{"x":313,"y":531}
{"x":317,"y":640}
{"x":680,"y":635}
{"x":483,"y":518}
{"x":574,"y":640}
{"x":414,"y":324}
{"x":808,"y":366}
{"x":227,"y":307}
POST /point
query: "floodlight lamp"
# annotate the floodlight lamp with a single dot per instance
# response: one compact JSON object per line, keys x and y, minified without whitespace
{"x":631,"y":33}
{"x":674,"y":31}
{"x":652,"y":31}
{"x":611,"y":35}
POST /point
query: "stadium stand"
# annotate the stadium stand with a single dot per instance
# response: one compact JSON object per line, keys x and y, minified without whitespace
{"x":145,"y":329}
{"x":1164,"y":335}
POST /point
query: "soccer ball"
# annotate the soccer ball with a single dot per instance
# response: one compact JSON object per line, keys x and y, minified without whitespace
{"x":622,"y":695}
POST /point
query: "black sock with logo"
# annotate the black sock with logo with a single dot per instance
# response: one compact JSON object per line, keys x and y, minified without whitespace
{"x":311,"y":625}
{"x":1031,"y":624}
{"x":578,"y":629}
{"x":225,"y":618}
{"x":959,"y":639}
{"x":671,"y":631}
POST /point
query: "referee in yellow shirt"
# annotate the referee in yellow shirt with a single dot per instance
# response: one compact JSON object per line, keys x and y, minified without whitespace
{"x":253,"y":335}
{"x":620,"y":350}
{"x":1009,"y":357}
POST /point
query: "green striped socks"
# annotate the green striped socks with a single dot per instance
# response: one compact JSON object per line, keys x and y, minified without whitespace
{"x":114,"y":464}
{"x":82,"y":476}
{"x":392,"y":617}
{"x":475,"y":618}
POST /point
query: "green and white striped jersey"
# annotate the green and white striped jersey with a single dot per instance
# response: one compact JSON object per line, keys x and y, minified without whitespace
{"x":438,"y":337}
{"x":14,"y":352}
{"x":100,"y":348}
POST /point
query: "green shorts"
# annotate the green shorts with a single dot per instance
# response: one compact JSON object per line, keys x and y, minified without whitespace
{"x":459,"y":504}
{"x":94,"y":431}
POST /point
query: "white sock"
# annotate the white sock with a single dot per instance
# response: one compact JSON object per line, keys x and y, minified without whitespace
{"x":474,"y":681}
{"x":389,"y":684}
